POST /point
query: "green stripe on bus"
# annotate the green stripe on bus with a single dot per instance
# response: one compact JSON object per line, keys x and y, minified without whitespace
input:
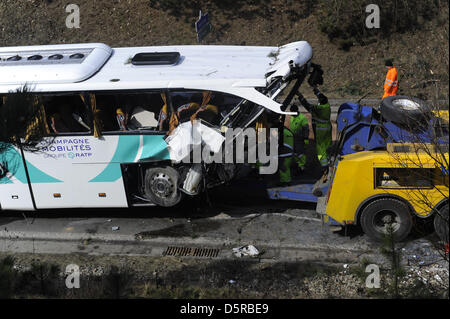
{"x":126,"y":151}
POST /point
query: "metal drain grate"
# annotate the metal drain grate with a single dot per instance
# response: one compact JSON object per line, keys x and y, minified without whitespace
{"x":195,"y":252}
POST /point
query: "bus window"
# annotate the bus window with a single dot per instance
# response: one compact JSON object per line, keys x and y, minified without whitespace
{"x":129,"y":112}
{"x":66,"y":114}
{"x":209,"y":106}
{"x":186,"y":103}
{"x":106,"y":108}
{"x":144,"y":112}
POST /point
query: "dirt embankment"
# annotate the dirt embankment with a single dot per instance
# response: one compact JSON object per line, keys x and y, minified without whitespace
{"x":43,"y":276}
{"x":421,"y":55}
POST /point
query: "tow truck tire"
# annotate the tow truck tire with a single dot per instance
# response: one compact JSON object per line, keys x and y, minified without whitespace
{"x":161,"y":186}
{"x":441,"y":223}
{"x":405,"y":110}
{"x":377,"y":214}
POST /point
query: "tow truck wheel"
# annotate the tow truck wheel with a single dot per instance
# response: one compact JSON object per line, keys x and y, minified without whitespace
{"x":405,"y":110}
{"x":441,"y":223}
{"x":378,"y":215}
{"x":161,"y":186}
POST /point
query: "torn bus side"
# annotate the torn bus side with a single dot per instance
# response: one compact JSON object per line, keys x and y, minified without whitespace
{"x":245,"y":129}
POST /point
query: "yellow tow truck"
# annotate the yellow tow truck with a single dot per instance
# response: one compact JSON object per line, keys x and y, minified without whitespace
{"x":376,"y":188}
{"x":388,"y":170}
{"x":373,"y":186}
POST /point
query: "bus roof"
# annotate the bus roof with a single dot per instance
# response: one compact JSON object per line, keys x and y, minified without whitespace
{"x":95,"y":66}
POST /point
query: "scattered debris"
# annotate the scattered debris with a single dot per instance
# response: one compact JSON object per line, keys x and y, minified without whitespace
{"x":221,"y":216}
{"x":335,"y":228}
{"x":248,"y":250}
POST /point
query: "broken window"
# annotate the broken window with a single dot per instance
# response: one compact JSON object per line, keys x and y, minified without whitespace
{"x":209,"y":106}
{"x":66,"y":114}
{"x":131,"y":111}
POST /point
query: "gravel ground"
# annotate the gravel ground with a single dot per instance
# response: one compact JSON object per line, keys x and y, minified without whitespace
{"x":174,"y":277}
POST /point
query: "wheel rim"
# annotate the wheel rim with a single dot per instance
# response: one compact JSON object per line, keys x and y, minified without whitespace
{"x":162,"y":185}
{"x":406,"y":104}
{"x":383,"y":218}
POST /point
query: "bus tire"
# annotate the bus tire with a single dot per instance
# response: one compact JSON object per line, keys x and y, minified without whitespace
{"x":441,"y":223}
{"x":377,"y":215}
{"x":161,"y":186}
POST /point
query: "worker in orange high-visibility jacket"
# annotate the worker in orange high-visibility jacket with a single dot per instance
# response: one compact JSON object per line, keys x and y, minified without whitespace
{"x":391,"y":82}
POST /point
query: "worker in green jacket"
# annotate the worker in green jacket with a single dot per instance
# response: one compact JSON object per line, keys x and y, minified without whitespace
{"x":294,"y":139}
{"x":321,"y":114}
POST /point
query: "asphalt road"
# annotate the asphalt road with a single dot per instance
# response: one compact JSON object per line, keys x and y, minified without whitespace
{"x":235,"y":218}
{"x":279,"y":230}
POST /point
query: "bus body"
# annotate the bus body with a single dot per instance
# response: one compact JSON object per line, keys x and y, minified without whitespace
{"x":81,"y":168}
{"x":76,"y":171}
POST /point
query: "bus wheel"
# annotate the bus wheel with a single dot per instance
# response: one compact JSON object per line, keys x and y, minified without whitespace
{"x":441,"y":223}
{"x":161,"y":186}
{"x":378,"y":215}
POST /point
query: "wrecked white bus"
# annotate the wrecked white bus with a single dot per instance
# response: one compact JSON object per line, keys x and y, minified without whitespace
{"x":110,"y":112}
